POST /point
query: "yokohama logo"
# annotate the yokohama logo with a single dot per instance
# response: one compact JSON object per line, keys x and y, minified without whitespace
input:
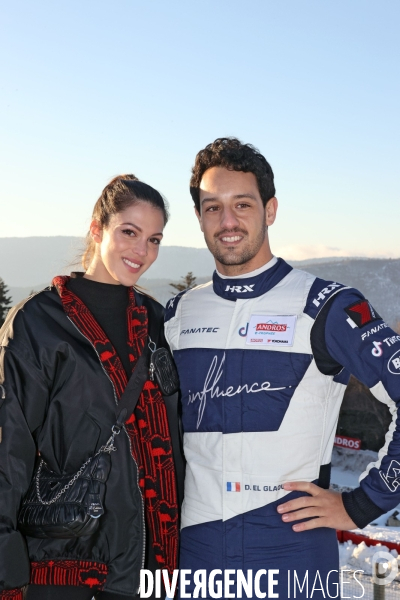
{"x":270,"y":327}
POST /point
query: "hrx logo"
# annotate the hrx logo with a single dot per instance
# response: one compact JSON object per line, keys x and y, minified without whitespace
{"x":325,"y":292}
{"x":239,"y":289}
{"x":392,"y":476}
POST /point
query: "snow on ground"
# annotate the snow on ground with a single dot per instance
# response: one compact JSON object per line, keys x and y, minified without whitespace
{"x":383,"y":534}
{"x":347,"y":466}
{"x":352,"y":460}
{"x":343,"y":480}
{"x":352,"y":556}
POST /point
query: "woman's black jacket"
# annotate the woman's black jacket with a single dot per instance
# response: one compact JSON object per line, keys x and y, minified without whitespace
{"x":55,"y":396}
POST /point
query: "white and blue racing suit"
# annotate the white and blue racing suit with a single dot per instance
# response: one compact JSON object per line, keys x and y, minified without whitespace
{"x":264,"y":360}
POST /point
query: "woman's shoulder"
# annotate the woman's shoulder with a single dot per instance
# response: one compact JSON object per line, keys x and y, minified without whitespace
{"x":37,"y":301}
{"x":30,"y":314}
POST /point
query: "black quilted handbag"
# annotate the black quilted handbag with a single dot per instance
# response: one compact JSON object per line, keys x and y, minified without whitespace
{"x":64,"y":507}
{"x":69,"y":506}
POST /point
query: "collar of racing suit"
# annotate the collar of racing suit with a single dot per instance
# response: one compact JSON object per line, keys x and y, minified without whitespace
{"x":252,"y":286}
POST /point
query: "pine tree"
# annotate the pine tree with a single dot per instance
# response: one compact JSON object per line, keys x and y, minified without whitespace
{"x":188,"y":282}
{"x":5,"y":301}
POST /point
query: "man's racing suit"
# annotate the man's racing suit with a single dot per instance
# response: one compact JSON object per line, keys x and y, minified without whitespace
{"x":264,"y":360}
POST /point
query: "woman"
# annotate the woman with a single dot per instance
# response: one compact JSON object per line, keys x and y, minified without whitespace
{"x":66,"y":356}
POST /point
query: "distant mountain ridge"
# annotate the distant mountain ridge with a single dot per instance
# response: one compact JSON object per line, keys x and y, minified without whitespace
{"x":377,"y":279}
{"x":26,"y":261}
{"x":30,"y":263}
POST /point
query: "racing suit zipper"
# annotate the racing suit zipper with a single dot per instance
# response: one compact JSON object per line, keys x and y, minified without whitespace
{"x":130,"y":446}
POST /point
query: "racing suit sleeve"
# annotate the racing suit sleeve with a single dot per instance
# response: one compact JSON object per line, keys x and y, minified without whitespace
{"x":23,"y":398}
{"x":357,"y":339}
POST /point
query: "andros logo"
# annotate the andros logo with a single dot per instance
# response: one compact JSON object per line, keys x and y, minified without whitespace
{"x":271,"y":327}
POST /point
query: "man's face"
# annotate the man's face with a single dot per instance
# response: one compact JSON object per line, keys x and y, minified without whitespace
{"x":234,"y":221}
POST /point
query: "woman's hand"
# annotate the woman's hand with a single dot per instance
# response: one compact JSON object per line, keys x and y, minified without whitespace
{"x":323,"y":507}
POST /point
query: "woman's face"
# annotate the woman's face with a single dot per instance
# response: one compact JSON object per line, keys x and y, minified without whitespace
{"x":128,"y":246}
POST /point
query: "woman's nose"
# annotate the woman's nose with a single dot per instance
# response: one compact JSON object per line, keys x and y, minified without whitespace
{"x":141,"y":247}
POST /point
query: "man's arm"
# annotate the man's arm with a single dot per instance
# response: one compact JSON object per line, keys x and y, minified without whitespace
{"x":356,"y":338}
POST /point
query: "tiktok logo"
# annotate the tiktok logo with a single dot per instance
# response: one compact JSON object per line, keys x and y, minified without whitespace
{"x":377,"y":349}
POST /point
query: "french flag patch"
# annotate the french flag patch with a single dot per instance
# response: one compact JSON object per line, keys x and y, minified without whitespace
{"x":232,"y":486}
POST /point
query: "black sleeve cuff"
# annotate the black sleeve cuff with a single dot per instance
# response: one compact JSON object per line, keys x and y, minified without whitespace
{"x":360,"y":508}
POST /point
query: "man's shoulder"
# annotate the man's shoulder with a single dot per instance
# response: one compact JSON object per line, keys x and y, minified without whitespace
{"x":323,"y":292}
{"x":320,"y":292}
{"x":192,"y":295}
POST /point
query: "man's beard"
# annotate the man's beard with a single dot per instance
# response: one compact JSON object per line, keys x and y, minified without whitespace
{"x":232,"y":256}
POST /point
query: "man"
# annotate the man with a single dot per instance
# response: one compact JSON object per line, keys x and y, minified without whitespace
{"x":264,"y":354}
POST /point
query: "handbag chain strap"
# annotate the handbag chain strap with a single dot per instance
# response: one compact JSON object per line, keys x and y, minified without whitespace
{"x":126,"y":405}
{"x":108,"y":447}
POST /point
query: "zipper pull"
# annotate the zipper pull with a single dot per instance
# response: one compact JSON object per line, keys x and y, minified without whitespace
{"x":151,"y":371}
{"x":152,"y":347}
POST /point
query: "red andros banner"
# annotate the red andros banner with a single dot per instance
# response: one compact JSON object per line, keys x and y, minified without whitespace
{"x":342,"y":441}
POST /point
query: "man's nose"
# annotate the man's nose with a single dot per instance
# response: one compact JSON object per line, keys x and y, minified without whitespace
{"x":228,"y":219}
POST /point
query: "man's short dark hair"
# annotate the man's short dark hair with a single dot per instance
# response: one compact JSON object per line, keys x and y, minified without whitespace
{"x":231,"y":154}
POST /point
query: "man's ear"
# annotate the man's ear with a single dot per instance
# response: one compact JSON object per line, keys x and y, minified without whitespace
{"x":96,"y":231}
{"x":271,"y":210}
{"x":198,"y":215}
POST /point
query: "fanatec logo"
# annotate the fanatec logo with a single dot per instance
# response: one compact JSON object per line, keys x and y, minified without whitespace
{"x":200,"y":330}
{"x":240,"y":289}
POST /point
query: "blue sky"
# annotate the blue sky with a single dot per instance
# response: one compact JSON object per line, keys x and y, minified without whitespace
{"x":91,"y":89}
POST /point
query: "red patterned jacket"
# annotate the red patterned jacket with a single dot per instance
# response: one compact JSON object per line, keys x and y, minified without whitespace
{"x":60,"y":378}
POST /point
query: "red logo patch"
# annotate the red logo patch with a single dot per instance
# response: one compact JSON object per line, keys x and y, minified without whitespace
{"x":362,"y":313}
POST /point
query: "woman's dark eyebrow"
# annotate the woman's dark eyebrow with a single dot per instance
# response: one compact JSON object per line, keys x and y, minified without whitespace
{"x":139,"y":229}
{"x":236,"y":197}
